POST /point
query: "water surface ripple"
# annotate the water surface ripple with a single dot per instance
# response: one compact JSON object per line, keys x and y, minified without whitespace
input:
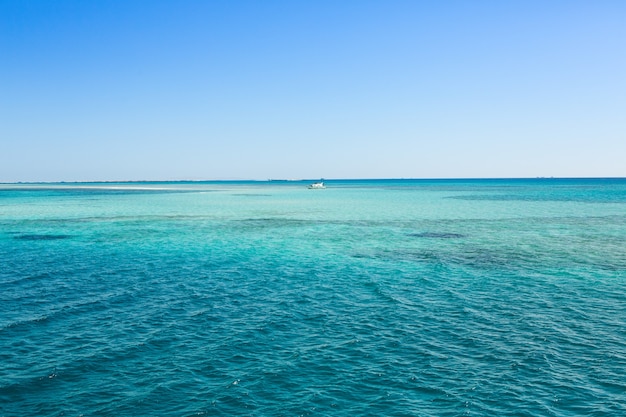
{"x":395,"y":298}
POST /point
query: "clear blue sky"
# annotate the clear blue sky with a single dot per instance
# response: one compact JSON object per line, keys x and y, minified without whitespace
{"x":133,"y":90}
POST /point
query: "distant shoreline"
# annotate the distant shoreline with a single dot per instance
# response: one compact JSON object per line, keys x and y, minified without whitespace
{"x":242,"y":181}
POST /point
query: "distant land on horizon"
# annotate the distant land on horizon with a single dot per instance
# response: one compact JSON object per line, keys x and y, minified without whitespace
{"x":308,"y":180}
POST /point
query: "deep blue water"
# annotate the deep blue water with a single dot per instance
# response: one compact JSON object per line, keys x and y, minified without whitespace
{"x":370,"y":297}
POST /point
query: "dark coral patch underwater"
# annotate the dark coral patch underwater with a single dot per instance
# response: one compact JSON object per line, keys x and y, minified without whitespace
{"x":437,"y":235}
{"x":41,"y":237}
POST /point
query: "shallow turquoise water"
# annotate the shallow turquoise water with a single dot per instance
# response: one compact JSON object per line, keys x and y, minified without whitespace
{"x":396,"y":298}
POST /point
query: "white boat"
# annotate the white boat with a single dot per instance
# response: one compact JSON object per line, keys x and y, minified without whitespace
{"x":317,"y":186}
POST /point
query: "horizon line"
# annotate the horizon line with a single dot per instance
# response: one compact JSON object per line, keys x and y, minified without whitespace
{"x":306,"y":180}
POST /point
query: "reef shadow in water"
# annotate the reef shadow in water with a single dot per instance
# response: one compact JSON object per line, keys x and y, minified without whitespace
{"x":252,"y":195}
{"x":437,"y":235}
{"x":41,"y":237}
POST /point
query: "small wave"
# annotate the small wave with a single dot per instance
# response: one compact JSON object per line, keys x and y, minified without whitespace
{"x":23,"y":322}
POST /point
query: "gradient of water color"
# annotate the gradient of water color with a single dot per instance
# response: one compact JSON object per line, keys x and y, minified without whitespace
{"x":381,"y":297}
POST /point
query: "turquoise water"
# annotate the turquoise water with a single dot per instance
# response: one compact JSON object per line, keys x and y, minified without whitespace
{"x":395,"y":298}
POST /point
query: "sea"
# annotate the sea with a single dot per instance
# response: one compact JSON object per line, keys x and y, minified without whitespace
{"x":486,"y":297}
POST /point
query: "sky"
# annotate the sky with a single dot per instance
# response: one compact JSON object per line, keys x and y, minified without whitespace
{"x":228,"y":89}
